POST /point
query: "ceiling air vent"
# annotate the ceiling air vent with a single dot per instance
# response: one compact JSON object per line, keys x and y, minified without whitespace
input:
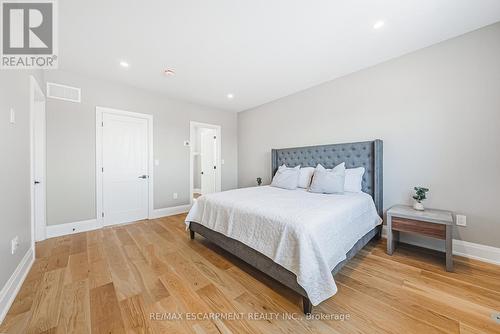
{"x":63,"y":92}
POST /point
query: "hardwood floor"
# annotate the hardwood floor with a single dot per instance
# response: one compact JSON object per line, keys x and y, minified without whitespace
{"x":139,"y":278}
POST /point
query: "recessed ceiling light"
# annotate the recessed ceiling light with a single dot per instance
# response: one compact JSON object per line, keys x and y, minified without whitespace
{"x":124,"y":64}
{"x":230,"y":96}
{"x":168,"y":72}
{"x":378,"y":24}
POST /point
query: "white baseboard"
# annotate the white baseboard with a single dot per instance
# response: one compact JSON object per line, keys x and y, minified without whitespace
{"x":92,"y":224}
{"x":175,"y":210}
{"x":476,"y":251}
{"x":461,"y":248}
{"x":197,"y":190}
{"x":11,"y":288}
{"x":71,"y":228}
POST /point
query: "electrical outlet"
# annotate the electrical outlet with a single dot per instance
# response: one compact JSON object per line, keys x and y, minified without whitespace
{"x":175,"y":195}
{"x":12,"y":116}
{"x":14,"y":243}
{"x":461,"y":220}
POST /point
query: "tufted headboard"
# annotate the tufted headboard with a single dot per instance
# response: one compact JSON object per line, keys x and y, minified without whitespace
{"x":366,"y":154}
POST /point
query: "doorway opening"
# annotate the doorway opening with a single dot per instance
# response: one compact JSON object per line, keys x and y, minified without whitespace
{"x":205,"y":160}
{"x":124,"y":172}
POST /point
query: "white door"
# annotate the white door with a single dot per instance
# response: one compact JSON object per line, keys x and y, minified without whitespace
{"x":39,"y":168}
{"x":208,"y":155}
{"x":125,"y":181}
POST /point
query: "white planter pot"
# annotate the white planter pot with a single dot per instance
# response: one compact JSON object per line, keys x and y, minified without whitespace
{"x":418,"y":206}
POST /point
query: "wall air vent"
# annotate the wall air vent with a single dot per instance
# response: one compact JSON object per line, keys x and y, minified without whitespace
{"x":63,"y":92}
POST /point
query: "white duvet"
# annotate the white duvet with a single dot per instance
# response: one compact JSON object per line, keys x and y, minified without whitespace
{"x":307,"y":233}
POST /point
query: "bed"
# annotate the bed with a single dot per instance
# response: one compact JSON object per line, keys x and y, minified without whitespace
{"x":298,"y":238}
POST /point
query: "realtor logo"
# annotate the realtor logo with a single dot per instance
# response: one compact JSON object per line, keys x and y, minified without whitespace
{"x":28,"y":35}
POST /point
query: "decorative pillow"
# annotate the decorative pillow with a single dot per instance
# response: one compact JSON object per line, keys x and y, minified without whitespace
{"x":286,"y":178}
{"x":328,"y":181}
{"x":305,"y":176}
{"x":354,"y":179}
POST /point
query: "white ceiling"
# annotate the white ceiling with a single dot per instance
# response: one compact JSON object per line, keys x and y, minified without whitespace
{"x":259,"y":50}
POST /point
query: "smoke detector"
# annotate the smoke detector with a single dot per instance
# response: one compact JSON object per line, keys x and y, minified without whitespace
{"x":168,"y":72}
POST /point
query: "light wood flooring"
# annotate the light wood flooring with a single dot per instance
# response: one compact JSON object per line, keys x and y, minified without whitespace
{"x":111,"y":280}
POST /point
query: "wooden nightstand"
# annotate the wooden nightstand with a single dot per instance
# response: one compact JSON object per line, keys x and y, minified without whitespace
{"x":431,"y":223}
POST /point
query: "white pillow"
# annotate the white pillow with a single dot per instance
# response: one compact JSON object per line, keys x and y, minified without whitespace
{"x":328,"y":181}
{"x":354,"y":179}
{"x":305,"y":176}
{"x":286,"y":178}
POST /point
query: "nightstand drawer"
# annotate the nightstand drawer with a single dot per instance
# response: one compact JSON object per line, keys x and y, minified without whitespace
{"x":420,"y":227}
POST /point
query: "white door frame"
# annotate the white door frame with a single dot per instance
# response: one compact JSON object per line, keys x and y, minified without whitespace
{"x":98,"y":158}
{"x":38,"y":226}
{"x":192,"y":126}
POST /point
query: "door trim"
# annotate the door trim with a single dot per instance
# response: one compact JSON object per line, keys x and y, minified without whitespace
{"x":218,"y":130}
{"x":38,"y":231}
{"x":98,"y":158}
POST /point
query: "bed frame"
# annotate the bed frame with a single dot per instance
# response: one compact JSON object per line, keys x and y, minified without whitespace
{"x":362,"y":154}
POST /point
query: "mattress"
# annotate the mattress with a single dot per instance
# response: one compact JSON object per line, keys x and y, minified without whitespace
{"x":306,"y":233}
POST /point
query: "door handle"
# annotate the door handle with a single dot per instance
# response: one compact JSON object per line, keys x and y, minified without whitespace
{"x":37,"y":182}
{"x":143,"y":177}
{"x":201,"y":173}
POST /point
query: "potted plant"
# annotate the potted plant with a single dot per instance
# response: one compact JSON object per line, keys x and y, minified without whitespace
{"x":419,"y":197}
{"x":259,"y":181}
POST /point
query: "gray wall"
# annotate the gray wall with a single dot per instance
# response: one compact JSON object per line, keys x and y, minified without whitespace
{"x":15,"y":207}
{"x":71,"y":145}
{"x":437,"y":110}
